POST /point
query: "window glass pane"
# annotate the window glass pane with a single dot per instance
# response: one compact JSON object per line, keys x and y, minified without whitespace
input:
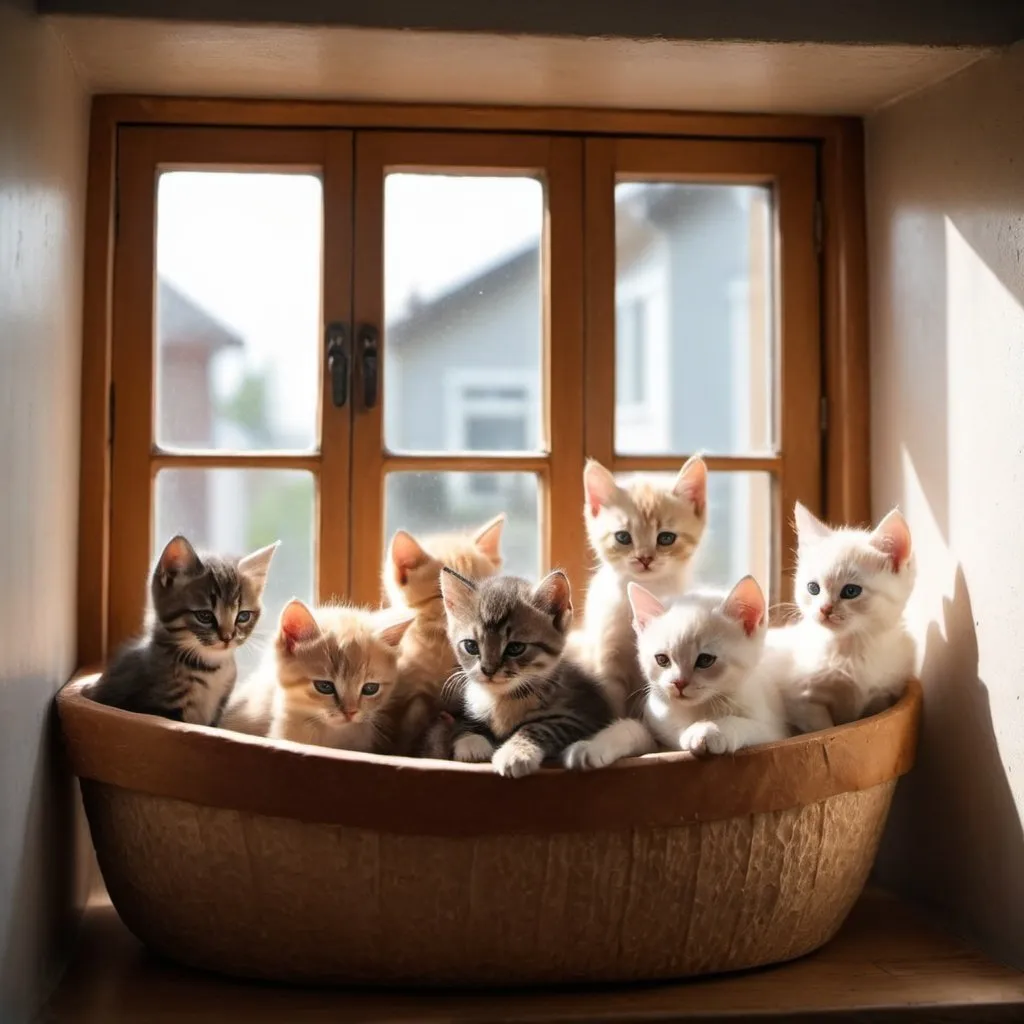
{"x":441,"y":502}
{"x":738,"y":539}
{"x":462,"y":287}
{"x":238,"y":311}
{"x":235,"y":511}
{"x":694,"y":336}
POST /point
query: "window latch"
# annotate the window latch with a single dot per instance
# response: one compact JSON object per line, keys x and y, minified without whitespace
{"x":338,"y":357}
{"x":369,"y":354}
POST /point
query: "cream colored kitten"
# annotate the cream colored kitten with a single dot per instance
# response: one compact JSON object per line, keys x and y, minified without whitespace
{"x":851,"y":653}
{"x":645,"y":534}
{"x":330,"y":680}
{"x":699,"y":657}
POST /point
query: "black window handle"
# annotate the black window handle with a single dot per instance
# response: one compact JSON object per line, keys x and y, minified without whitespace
{"x":338,"y":358}
{"x":370,"y":356}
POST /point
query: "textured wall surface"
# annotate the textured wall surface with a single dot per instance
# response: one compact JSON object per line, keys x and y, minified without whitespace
{"x":946,"y":235}
{"x":43,"y":129}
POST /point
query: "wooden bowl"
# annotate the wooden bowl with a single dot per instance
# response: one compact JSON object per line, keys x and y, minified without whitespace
{"x":276,"y":860}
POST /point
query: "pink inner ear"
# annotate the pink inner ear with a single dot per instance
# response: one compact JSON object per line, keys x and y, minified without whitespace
{"x":892,"y":537}
{"x":692,"y":483}
{"x":646,"y":607}
{"x":178,"y":556}
{"x":746,"y":604}
{"x":297,"y":625}
{"x":599,"y":485}
{"x":406,"y":555}
{"x":488,"y":540}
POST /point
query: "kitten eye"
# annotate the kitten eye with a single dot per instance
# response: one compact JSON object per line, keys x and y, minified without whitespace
{"x":813,"y":588}
{"x":705,"y":661}
{"x":514,"y":649}
{"x":370,"y":689}
{"x":243,"y":617}
{"x":850,"y":591}
{"x":324,"y":686}
{"x":471,"y":647}
{"x":205,"y":618}
{"x":666,"y":538}
{"x":624,"y":537}
{"x":662,"y":660}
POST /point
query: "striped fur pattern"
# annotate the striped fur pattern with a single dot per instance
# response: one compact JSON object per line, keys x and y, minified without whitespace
{"x":203,"y":608}
{"x":522,"y":702}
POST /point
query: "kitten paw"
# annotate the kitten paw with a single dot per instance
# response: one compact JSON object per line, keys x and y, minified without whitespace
{"x":517,"y":758}
{"x":586,"y":754}
{"x":704,"y":738}
{"x":473,"y":748}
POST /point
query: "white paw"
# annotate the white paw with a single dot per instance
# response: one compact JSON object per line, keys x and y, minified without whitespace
{"x":586,"y":754}
{"x":704,"y":738}
{"x":515,"y":759}
{"x":473,"y":747}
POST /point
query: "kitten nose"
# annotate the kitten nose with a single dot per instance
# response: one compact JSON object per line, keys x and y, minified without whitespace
{"x":488,"y":671}
{"x":826,"y":610}
{"x":681,"y":684}
{"x":348,"y":712}
{"x":645,"y":560}
{"x":226,"y":637}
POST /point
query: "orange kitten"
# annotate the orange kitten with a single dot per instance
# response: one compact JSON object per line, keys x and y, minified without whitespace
{"x":330,"y":679}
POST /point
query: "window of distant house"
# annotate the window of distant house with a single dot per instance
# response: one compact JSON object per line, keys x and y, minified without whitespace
{"x":323,"y":336}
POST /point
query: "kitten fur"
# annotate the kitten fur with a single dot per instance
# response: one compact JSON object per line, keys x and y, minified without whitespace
{"x":344,"y":650}
{"x":714,"y":708}
{"x":202,"y":608}
{"x":846,"y":656}
{"x":523,"y":703}
{"x":644,"y":510}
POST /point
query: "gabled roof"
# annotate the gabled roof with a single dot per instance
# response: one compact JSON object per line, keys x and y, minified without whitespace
{"x":183,"y":322}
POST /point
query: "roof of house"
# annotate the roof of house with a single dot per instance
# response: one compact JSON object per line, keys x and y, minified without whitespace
{"x":183,"y":322}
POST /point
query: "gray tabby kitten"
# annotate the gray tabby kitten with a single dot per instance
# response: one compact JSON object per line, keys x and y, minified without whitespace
{"x":203,"y":608}
{"x":522,"y":702}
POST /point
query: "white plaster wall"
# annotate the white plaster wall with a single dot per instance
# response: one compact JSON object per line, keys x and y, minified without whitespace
{"x":43,"y":128}
{"x":945,"y":191}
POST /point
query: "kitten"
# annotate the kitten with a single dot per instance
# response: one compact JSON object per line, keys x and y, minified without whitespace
{"x":850,"y":654}
{"x":329,"y":680}
{"x":700,"y":658}
{"x":522,"y":701}
{"x":203,"y":607}
{"x":641,"y":533}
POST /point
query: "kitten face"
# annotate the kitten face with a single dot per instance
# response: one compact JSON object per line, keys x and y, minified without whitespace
{"x":505,"y":632}
{"x":338,"y":665}
{"x":412,"y":570}
{"x":853,"y":581}
{"x":704,"y":645}
{"x":645,"y":532}
{"x":209,"y":604}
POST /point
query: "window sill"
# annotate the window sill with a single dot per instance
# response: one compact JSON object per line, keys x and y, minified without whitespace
{"x":888,"y":962}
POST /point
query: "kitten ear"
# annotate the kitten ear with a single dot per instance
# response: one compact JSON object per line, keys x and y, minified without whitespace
{"x":488,"y":538}
{"x":458,"y":593}
{"x":405,"y":554}
{"x":553,"y":596}
{"x":892,"y":537}
{"x":746,"y":604}
{"x":178,"y":558}
{"x":257,"y":565}
{"x":646,"y":607}
{"x":809,"y":528}
{"x":599,"y":484}
{"x":391,"y":630}
{"x":296,"y":625}
{"x":691,"y":483}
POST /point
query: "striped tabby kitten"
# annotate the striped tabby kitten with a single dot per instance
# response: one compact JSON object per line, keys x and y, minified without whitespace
{"x":522,"y":702}
{"x":203,"y":607}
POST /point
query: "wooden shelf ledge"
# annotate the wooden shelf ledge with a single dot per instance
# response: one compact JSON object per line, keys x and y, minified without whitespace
{"x":888,"y":963}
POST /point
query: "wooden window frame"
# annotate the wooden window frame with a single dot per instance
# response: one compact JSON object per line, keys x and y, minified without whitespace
{"x":841,"y":252}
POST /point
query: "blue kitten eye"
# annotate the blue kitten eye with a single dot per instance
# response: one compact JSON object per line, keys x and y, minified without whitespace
{"x":243,"y":617}
{"x":662,"y":660}
{"x":370,"y":689}
{"x":666,"y":538}
{"x":205,"y":618}
{"x":324,"y":686}
{"x":471,"y":647}
{"x":813,"y":588}
{"x":850,"y":591}
{"x":514,"y":649}
{"x":624,"y":537}
{"x":705,"y":661}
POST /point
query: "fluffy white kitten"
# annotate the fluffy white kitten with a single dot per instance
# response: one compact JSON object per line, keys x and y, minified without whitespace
{"x":700,"y":658}
{"x":850,"y":653}
{"x":642,"y":533}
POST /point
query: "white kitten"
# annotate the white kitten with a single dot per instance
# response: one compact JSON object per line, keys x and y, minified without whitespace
{"x":850,"y":653}
{"x":641,"y":533}
{"x":699,"y":657}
